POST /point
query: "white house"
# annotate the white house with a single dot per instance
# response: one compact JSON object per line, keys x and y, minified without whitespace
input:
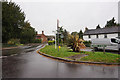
{"x":107,"y":32}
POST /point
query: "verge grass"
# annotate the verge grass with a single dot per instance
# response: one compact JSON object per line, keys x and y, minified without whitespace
{"x":92,"y":57}
{"x":63,"y":51}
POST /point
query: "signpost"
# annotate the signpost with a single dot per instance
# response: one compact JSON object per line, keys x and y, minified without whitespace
{"x":58,"y":32}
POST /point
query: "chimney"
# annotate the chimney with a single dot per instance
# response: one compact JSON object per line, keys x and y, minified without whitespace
{"x":42,"y":32}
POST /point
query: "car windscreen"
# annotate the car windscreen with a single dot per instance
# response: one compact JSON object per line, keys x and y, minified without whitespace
{"x":115,"y":41}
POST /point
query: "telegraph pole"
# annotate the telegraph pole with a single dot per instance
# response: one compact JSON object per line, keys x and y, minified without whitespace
{"x":58,"y":32}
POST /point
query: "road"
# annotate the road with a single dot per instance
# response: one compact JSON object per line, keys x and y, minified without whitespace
{"x":29,"y":64}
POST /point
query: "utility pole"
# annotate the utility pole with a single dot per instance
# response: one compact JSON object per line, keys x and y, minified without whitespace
{"x":58,"y":32}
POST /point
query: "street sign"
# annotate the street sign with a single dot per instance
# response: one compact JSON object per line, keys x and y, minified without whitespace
{"x":62,"y":36}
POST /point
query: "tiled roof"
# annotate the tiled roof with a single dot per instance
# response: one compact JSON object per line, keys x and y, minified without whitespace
{"x":105,"y":30}
{"x":38,"y":34}
{"x":41,"y":35}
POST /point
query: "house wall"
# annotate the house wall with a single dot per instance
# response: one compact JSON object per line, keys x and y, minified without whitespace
{"x":100,"y":36}
{"x":43,"y":38}
{"x":93,"y":36}
{"x":86,"y":38}
{"x":112,"y":35}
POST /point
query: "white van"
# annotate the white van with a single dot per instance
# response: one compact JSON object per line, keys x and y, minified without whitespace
{"x":108,"y":43}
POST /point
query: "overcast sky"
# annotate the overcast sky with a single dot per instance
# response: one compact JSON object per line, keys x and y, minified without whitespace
{"x":73,"y":15}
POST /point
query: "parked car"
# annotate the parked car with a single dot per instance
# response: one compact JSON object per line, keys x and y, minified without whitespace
{"x":107,"y":43}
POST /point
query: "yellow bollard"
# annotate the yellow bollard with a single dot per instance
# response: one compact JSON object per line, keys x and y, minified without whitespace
{"x":59,"y":47}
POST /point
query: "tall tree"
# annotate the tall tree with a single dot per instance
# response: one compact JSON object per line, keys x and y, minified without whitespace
{"x":98,"y":26}
{"x":12,"y":20}
{"x":111,"y":23}
{"x":86,"y":28}
{"x":80,"y":34}
{"x":28,"y":33}
{"x":65,"y":34}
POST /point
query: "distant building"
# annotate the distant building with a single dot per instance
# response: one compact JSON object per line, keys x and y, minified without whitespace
{"x":107,"y":32}
{"x":42,"y":36}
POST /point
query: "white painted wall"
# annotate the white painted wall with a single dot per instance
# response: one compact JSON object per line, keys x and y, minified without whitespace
{"x":100,"y":36}
{"x":86,"y":38}
{"x":93,"y":36}
{"x":112,"y":35}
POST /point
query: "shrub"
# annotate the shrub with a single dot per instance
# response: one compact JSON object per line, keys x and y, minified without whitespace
{"x":51,"y":42}
{"x":14,"y":42}
{"x":75,"y":43}
{"x":87,"y":43}
{"x":37,"y":41}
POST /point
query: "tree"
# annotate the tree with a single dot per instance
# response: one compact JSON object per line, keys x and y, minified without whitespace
{"x":65,"y":34}
{"x":98,"y":26}
{"x":14,"y":24}
{"x":75,"y":43}
{"x":80,"y":34}
{"x":12,"y":21}
{"x":74,"y":33}
{"x":111,"y":23}
{"x":86,"y":28}
{"x":28,"y":33}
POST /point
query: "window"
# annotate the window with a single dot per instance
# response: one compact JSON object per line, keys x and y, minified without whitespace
{"x":105,"y":36}
{"x":97,"y":36}
{"x":89,"y":36}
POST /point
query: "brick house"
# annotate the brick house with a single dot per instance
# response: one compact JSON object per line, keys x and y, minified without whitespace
{"x":42,"y":36}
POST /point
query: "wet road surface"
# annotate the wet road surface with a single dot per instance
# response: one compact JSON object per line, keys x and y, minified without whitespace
{"x":29,"y":64}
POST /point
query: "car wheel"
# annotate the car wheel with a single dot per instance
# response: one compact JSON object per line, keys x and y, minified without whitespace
{"x":95,"y":48}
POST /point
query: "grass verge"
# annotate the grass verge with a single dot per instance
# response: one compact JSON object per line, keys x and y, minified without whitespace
{"x":92,"y":57}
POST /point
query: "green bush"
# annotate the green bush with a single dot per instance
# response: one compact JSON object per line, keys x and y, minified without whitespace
{"x":13,"y":42}
{"x":51,"y":42}
{"x":87,"y":43}
{"x":37,"y":41}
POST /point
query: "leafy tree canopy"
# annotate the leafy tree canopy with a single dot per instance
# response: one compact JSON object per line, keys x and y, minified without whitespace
{"x":86,"y":28}
{"x":74,"y":33}
{"x":28,"y":33}
{"x":14,"y":25}
{"x":12,"y":20}
{"x":98,"y":26}
{"x":80,"y":34}
{"x":111,"y":23}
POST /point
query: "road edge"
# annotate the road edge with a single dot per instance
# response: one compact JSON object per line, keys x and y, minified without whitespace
{"x":74,"y":61}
